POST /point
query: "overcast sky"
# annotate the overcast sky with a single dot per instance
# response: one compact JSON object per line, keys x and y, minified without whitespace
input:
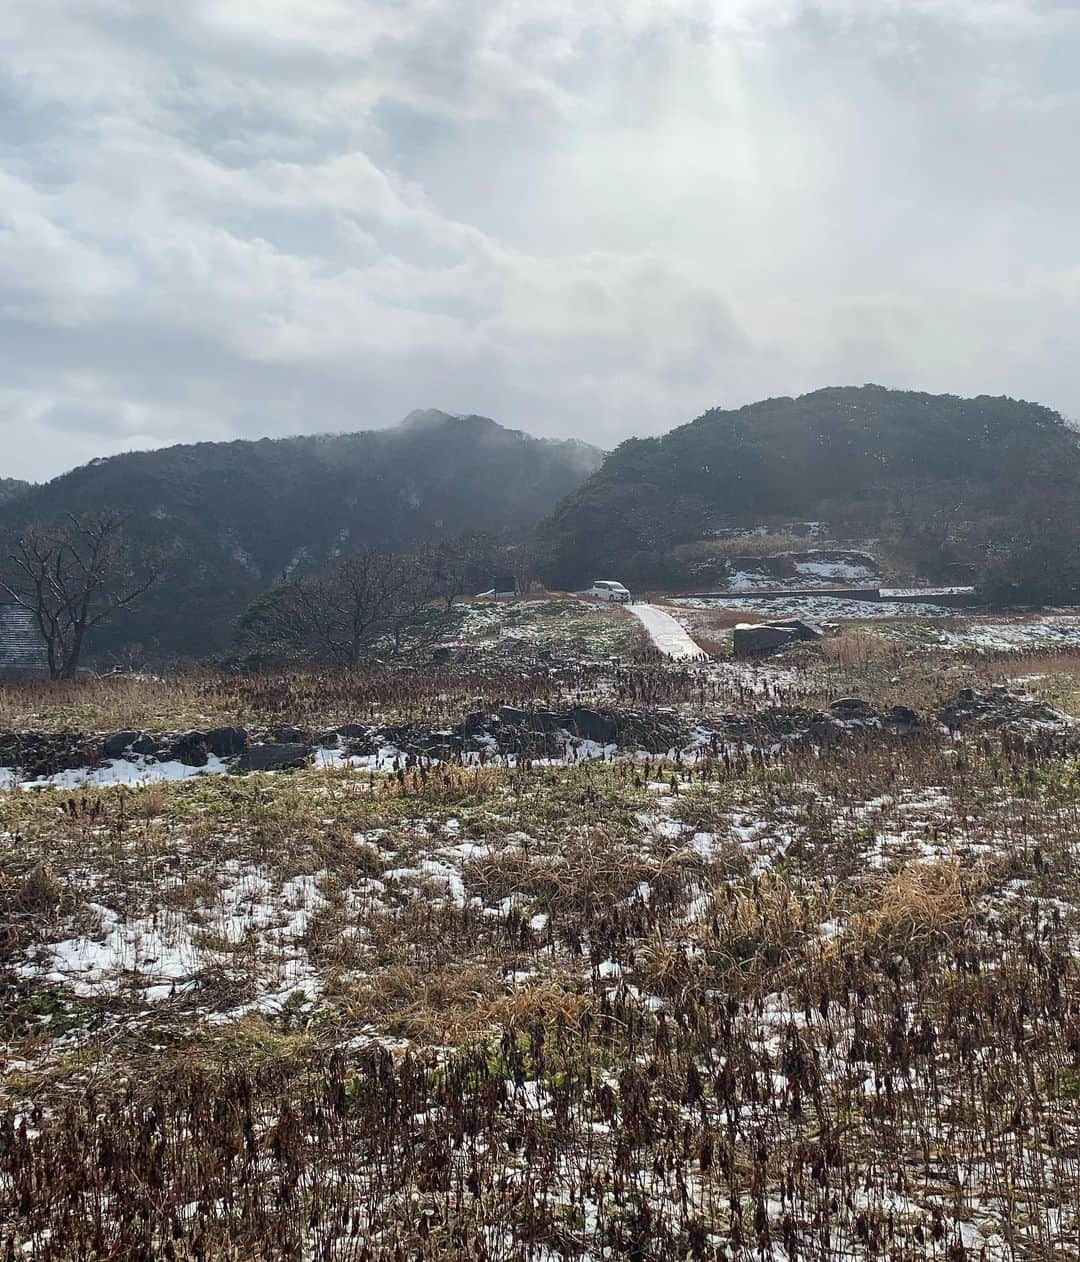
{"x":236,"y":218}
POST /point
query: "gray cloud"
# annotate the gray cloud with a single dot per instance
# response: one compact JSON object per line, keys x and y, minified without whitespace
{"x":229,"y":218}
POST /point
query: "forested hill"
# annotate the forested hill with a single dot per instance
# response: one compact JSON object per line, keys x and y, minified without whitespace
{"x":849,"y":455}
{"x":12,"y":488}
{"x":234,"y":517}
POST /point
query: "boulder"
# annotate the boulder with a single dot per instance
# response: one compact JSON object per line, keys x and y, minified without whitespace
{"x":146,"y":745}
{"x":809,"y":630}
{"x":591,"y":725}
{"x":274,"y":757}
{"x":227,"y":742}
{"x":364,"y":745}
{"x":475,"y":724}
{"x":191,"y":749}
{"x":755,"y":640}
{"x":852,"y":708}
{"x":999,"y":709}
{"x":532,"y":720}
{"x":544,"y":721}
{"x":512,"y":716}
{"x":443,"y":742}
{"x":118,"y":744}
{"x":901,"y":716}
{"x":803,"y":630}
{"x":353,"y":731}
{"x":287,"y":735}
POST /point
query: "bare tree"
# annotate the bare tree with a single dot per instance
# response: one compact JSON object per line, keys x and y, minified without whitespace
{"x":73,"y":577}
{"x":370,"y":602}
{"x":460,"y":565}
{"x":524,"y":559}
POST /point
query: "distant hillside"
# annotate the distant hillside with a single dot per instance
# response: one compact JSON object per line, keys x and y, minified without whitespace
{"x":235,"y":517}
{"x":858,"y":456}
{"x":12,"y":488}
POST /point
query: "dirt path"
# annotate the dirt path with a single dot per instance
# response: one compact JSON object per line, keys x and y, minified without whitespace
{"x":667,"y":634}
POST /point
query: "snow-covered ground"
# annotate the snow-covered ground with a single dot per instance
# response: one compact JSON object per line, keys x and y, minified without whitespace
{"x":1001,"y":635}
{"x":137,"y":771}
{"x":817,"y":608}
{"x":808,"y":572}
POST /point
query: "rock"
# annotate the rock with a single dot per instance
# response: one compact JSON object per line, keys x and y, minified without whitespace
{"x":544,"y":721}
{"x":439,"y":744}
{"x":901,"y":716}
{"x":475,"y":724}
{"x":803,"y":630}
{"x":755,"y":640}
{"x":118,"y":744}
{"x":274,"y":757}
{"x":227,"y":742}
{"x":191,"y":749}
{"x":999,"y":709}
{"x":287,"y":735}
{"x":809,"y":630}
{"x":591,"y":725}
{"x":852,"y":708}
{"x":362,"y":746}
{"x":532,"y":720}
{"x":511,"y":716}
{"x":353,"y":731}
{"x":146,"y":745}
{"x":825,"y":731}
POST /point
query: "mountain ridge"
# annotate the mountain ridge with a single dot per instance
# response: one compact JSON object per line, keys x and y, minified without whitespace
{"x":234,"y":517}
{"x":846,"y":454}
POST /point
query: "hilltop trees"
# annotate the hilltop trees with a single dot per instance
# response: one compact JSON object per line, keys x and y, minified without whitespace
{"x":74,"y":576}
{"x":947,"y":472}
{"x":234,"y":517}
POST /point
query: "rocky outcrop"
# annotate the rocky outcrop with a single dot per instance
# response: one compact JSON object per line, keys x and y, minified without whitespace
{"x":191,"y":749}
{"x":278,"y":756}
{"x":227,"y":742}
{"x":851,"y":708}
{"x":999,"y":709}
{"x":34,"y":755}
{"x":117,"y":745}
{"x":759,"y":638}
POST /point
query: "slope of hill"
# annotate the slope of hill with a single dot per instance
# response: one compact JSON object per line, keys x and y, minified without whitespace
{"x":855,"y":456}
{"x":235,"y":517}
{"x":12,"y":488}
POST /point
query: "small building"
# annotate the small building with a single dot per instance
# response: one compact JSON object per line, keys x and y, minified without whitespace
{"x":23,"y":655}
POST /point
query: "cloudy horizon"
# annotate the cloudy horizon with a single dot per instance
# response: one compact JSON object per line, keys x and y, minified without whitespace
{"x":585,"y":220}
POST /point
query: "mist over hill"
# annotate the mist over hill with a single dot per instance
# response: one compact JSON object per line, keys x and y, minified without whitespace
{"x":234,"y":518}
{"x":965,"y":479}
{"x":12,"y":488}
{"x":985,"y":485}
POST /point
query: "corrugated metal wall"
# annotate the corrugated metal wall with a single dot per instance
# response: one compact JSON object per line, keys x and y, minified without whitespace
{"x":22,"y":650}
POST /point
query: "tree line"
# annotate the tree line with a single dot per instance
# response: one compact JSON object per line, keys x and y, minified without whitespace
{"x":82,"y":573}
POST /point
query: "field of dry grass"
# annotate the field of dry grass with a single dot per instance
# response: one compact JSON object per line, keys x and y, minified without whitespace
{"x":773,"y":1001}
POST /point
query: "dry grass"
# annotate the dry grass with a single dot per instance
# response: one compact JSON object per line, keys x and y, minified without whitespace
{"x":922,"y":904}
{"x":818,"y":1000}
{"x":857,"y":649}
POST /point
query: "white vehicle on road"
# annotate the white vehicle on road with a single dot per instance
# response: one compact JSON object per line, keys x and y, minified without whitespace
{"x":606,"y":589}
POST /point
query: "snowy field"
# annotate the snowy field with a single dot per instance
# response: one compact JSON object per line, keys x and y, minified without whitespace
{"x":996,"y":634}
{"x":798,"y":989}
{"x":816,"y":608}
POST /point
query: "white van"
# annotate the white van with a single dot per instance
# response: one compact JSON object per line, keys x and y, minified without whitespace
{"x":606,"y":589}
